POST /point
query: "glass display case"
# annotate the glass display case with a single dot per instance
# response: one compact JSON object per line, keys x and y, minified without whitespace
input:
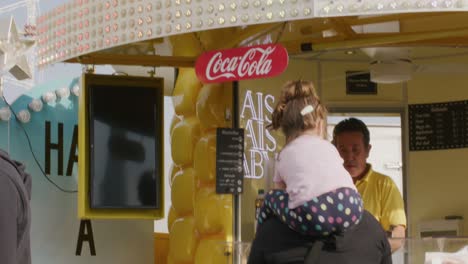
{"x":430,"y":250}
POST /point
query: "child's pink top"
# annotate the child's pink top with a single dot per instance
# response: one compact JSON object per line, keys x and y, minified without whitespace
{"x":310,"y":166}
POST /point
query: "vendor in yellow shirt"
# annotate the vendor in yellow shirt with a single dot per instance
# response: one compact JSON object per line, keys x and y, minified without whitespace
{"x":379,"y":193}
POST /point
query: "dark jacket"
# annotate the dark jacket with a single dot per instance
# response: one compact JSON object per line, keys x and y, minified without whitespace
{"x":15,"y":213}
{"x":276,"y":243}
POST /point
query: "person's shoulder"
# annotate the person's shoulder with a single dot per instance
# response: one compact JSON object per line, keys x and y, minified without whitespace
{"x":378,"y":175}
{"x":274,"y":240}
{"x":3,"y":153}
{"x":370,"y":228}
{"x":6,"y":166}
{"x":275,"y":230}
{"x":381,"y":178}
{"x":7,"y":185}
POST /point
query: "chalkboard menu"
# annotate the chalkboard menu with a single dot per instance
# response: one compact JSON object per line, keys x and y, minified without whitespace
{"x":229,"y":160}
{"x":438,"y":126}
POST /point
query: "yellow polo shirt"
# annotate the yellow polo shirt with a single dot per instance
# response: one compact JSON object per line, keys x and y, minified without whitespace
{"x":382,"y":199}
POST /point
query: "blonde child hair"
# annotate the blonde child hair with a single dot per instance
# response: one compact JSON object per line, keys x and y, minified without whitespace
{"x":299,"y":109}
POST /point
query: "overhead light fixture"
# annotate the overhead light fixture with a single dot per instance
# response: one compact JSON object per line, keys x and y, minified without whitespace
{"x":393,"y":71}
{"x":350,"y":52}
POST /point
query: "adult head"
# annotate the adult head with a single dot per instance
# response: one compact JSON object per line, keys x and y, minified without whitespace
{"x":380,"y":195}
{"x":351,"y":138}
{"x":298,"y":110}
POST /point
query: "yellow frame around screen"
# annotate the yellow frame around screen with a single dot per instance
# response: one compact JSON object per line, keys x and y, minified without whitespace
{"x":84,"y":209}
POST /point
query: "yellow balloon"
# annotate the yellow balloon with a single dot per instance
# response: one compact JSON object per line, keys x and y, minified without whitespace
{"x":193,"y":45}
{"x":212,"y":212}
{"x":173,"y":172}
{"x":211,"y":106}
{"x":183,"y":191}
{"x":204,"y":160}
{"x":186,"y":92}
{"x":175,"y":120}
{"x":183,"y":139}
{"x":212,"y":251}
{"x":215,"y":39}
{"x":170,"y":260}
{"x":183,"y":240}
{"x":185,"y":45}
{"x":172,"y":216}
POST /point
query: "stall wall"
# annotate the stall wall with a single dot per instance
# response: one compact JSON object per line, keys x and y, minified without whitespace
{"x":424,"y":179}
{"x":333,"y":87}
{"x":259,"y":96}
{"x":55,"y":229}
{"x":437,"y":180}
{"x":444,"y":179}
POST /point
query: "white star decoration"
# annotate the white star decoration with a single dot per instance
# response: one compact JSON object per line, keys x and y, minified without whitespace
{"x":13,"y":50}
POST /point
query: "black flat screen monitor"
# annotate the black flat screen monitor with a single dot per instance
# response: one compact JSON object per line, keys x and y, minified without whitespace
{"x":125,"y":141}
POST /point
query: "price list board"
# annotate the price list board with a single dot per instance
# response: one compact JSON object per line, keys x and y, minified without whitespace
{"x":438,"y":126}
{"x":229,"y":160}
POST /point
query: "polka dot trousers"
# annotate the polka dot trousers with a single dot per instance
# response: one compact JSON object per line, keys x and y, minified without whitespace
{"x":332,"y":212}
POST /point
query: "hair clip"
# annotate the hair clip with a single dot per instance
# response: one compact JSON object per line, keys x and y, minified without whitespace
{"x":307,"y":110}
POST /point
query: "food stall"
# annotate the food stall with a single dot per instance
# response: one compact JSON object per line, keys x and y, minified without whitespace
{"x":324,"y":40}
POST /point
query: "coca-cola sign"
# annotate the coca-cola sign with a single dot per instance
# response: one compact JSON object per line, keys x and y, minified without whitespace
{"x":260,"y":61}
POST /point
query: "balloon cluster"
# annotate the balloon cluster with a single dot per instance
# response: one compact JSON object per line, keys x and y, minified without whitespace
{"x":200,"y":221}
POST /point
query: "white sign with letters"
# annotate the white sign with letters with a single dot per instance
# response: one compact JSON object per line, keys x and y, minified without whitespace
{"x":261,"y":145}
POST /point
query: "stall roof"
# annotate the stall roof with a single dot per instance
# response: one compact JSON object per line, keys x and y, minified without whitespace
{"x":126,"y":32}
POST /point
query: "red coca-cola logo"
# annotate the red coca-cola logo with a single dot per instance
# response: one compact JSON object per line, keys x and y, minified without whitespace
{"x":260,"y":61}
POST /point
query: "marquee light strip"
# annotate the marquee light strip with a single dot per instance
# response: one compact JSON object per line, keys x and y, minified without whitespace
{"x":83,"y":26}
{"x":36,"y":104}
{"x":326,"y":8}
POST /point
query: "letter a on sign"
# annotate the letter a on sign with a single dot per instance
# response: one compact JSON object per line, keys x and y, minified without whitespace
{"x":262,"y":61}
{"x":85,"y":225}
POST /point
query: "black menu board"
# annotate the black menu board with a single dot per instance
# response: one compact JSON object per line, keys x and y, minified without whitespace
{"x":359,"y":83}
{"x":229,"y":160}
{"x":438,"y":125}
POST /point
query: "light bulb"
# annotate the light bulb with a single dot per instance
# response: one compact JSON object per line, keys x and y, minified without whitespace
{"x":24,"y":116}
{"x":49,"y":97}
{"x":35,"y":105}
{"x":5,"y":114}
{"x":63,"y":92}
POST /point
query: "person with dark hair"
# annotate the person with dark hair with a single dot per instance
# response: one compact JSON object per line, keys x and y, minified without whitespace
{"x":380,"y":194}
{"x":15,"y":212}
{"x":314,"y":194}
{"x":366,"y":243}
